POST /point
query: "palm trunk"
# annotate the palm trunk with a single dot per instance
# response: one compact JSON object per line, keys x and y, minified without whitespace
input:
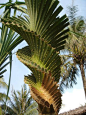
{"x":47,"y":114}
{"x":45,"y":111}
{"x":83,"y":76}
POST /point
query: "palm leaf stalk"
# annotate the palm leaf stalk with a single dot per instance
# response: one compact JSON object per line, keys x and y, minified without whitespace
{"x":45,"y":33}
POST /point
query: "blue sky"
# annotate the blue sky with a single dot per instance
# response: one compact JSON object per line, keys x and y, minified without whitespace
{"x":19,"y":70}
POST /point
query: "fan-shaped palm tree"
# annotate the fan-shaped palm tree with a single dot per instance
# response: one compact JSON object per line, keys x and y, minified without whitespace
{"x":45,"y":33}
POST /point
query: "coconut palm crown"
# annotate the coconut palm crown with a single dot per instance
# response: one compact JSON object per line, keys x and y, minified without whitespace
{"x":45,"y":34}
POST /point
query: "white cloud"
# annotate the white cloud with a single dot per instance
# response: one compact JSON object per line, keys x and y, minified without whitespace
{"x":72,"y":100}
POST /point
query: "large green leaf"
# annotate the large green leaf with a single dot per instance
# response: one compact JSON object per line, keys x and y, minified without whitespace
{"x":41,"y":56}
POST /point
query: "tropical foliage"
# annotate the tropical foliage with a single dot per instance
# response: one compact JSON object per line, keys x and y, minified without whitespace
{"x":69,"y":72}
{"x":0,"y":111}
{"x":75,"y":56}
{"x":45,"y":34}
{"x":21,"y":103}
{"x":8,"y":40}
{"x":3,"y":85}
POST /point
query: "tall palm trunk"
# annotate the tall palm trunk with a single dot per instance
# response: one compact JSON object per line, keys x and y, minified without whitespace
{"x":83,"y":76}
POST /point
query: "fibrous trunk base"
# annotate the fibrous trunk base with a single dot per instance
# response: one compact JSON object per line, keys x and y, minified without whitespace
{"x":47,"y":114}
{"x":46,"y":111}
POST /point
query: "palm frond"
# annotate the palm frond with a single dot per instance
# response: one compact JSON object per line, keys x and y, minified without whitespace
{"x":15,"y":5}
{"x":9,"y":110}
{"x":3,"y":83}
{"x":47,"y":28}
{"x":8,"y":41}
{"x":3,"y":97}
{"x":32,"y":109}
{"x":21,"y":102}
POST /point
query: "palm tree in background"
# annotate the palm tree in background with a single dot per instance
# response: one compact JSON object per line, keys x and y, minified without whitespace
{"x":75,"y":50}
{"x":69,"y":72}
{"x":45,"y":33}
{"x":21,"y":103}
